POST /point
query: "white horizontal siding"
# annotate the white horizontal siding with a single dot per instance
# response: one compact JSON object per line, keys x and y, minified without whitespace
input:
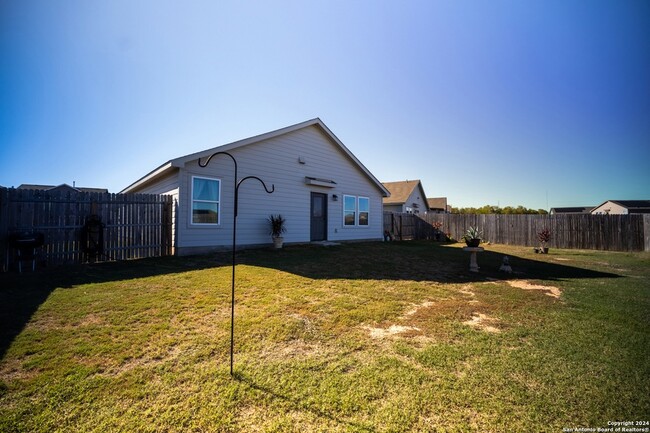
{"x":276,"y":162}
{"x":417,"y":198}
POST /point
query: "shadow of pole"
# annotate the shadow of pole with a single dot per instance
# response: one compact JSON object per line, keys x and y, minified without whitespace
{"x":300,"y":405}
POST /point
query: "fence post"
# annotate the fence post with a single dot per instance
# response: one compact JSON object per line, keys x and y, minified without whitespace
{"x":4,"y":229}
{"x":646,"y":232}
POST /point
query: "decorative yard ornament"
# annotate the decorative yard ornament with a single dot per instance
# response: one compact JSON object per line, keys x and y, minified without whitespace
{"x":234,"y":244}
{"x":505,"y":265}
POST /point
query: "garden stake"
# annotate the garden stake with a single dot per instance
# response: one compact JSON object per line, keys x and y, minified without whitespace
{"x":234,"y":243}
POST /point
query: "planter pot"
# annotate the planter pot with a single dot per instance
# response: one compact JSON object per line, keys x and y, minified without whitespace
{"x":473,"y":242}
{"x":278,"y":242}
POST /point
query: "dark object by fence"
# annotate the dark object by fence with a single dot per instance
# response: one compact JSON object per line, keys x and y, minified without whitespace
{"x":92,"y":237}
{"x":134,"y":225}
{"x":25,"y":244}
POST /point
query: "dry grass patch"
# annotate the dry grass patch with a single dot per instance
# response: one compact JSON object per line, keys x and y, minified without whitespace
{"x":483,"y":322}
{"x":552,"y":291}
{"x":406,"y":340}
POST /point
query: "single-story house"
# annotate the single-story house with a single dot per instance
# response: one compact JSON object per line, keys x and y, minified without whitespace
{"x":320,"y":188}
{"x":438,"y":204}
{"x":622,"y":207}
{"x":575,"y":210}
{"x":63,"y":187}
{"x":406,"y":196}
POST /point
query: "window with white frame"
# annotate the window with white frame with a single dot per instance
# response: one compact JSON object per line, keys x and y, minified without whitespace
{"x":364,"y":210}
{"x":206,"y":195}
{"x":349,"y":210}
{"x":356,"y":211}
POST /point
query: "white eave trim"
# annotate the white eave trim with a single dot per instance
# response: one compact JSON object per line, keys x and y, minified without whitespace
{"x":152,"y":175}
{"x":320,"y":182}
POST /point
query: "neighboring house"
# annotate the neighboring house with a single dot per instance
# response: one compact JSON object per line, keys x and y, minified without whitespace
{"x":62,"y":187}
{"x":570,"y":210}
{"x":438,"y":205}
{"x":321,"y":189}
{"x":406,"y":196}
{"x":622,"y":207}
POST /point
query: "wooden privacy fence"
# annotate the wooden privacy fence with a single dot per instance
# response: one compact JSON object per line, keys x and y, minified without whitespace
{"x":596,"y":232}
{"x":126,"y":226}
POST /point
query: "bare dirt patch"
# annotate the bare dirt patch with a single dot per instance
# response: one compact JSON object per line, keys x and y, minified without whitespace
{"x":483,"y":322}
{"x":417,"y":308}
{"x":392,"y":330}
{"x":527,"y":285}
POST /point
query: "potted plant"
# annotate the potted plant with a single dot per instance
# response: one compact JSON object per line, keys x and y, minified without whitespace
{"x":544,"y":237}
{"x":473,"y":237}
{"x":276,"y":229}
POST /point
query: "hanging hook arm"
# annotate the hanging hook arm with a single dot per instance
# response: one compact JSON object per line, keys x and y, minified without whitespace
{"x":205,"y":164}
{"x":261,"y":181}
{"x":239,"y":184}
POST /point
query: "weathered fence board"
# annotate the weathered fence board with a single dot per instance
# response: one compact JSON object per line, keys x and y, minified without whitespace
{"x":134,"y":225}
{"x":597,"y":232}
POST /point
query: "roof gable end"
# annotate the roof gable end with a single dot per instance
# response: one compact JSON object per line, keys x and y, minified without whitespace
{"x":402,"y":190}
{"x":181,"y":161}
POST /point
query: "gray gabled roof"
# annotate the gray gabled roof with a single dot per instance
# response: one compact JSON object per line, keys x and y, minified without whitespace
{"x":181,"y":161}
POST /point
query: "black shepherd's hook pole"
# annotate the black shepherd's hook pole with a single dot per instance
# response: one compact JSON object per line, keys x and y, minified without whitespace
{"x":234,"y":237}
{"x":234,"y":244}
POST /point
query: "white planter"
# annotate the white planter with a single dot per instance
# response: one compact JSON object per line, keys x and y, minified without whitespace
{"x":277,"y":242}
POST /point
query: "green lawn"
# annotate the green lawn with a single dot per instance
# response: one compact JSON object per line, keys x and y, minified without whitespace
{"x":369,"y":337}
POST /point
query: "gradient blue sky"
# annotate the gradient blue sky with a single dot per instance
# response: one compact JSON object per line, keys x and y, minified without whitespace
{"x":533,"y":103}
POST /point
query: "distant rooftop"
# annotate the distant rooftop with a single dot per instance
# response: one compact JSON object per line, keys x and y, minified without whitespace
{"x":62,"y":187}
{"x":632,"y":206}
{"x":574,"y":209}
{"x":400,"y":191}
{"x":437,"y":203}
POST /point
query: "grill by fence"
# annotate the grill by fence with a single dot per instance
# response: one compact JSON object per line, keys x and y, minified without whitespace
{"x":597,"y":232}
{"x":77,"y":227}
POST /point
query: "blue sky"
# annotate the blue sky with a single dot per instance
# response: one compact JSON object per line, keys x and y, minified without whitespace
{"x":533,"y":103}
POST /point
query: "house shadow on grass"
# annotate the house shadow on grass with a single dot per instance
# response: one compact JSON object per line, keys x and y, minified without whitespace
{"x":22,"y":294}
{"x":409,"y":260}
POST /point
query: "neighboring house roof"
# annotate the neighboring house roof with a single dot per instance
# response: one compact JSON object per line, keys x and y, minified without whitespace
{"x":62,"y":187}
{"x":575,"y":209}
{"x":437,"y":203}
{"x":401,"y":191}
{"x":632,"y":206}
{"x":180,"y":162}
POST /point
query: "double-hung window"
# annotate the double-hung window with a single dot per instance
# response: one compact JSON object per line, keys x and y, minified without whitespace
{"x":349,"y":210}
{"x":356,"y":211}
{"x":206,"y":196}
{"x":364,"y":210}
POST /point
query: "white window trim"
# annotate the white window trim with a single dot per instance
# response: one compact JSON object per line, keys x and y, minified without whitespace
{"x":192,"y":223}
{"x":356,"y":212}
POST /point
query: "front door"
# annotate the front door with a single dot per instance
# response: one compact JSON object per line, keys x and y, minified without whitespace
{"x":318,"y":216}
